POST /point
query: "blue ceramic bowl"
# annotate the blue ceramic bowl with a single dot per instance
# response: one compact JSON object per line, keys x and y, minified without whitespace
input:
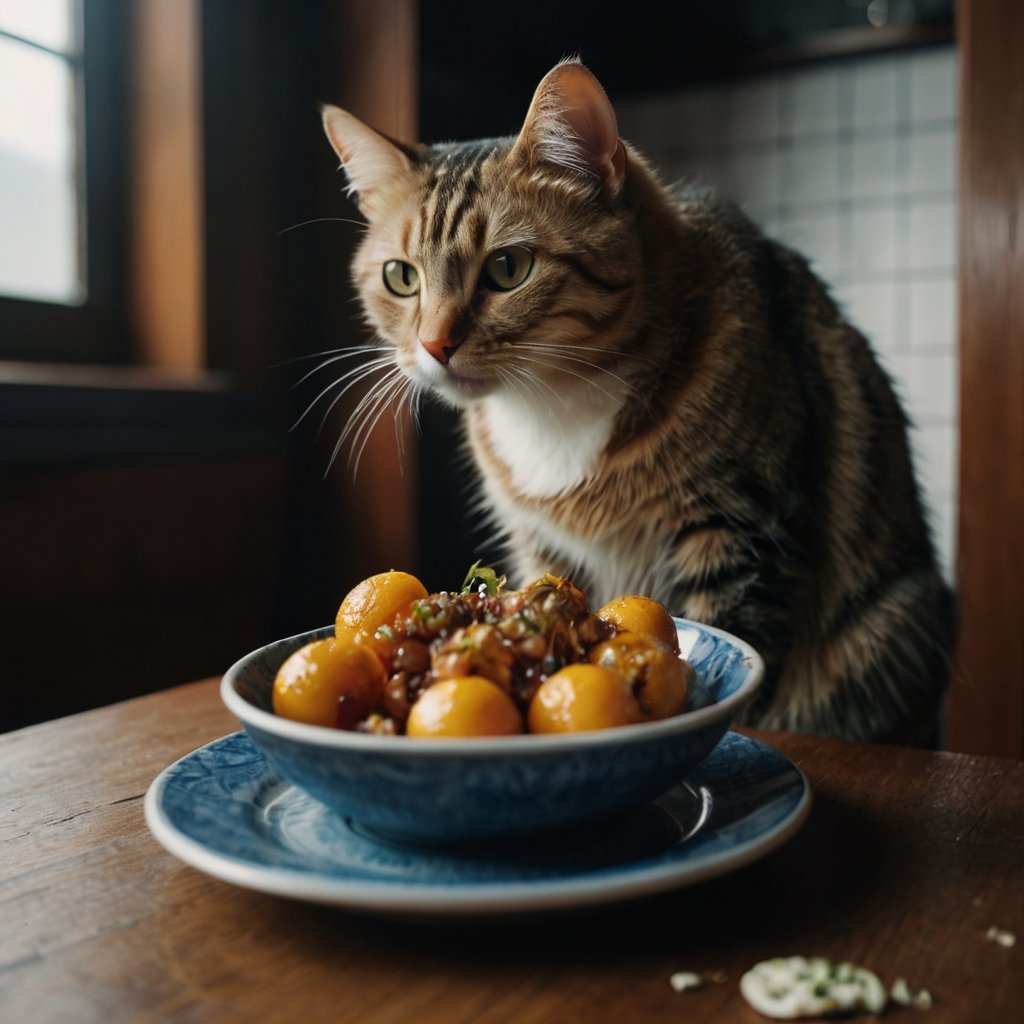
{"x":443,"y":791}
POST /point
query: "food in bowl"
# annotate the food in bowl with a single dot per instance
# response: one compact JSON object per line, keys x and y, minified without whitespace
{"x":485,"y":661}
{"x":465,"y":790}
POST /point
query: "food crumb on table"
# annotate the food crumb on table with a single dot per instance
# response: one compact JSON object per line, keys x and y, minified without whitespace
{"x":683,"y":981}
{"x":789,"y":987}
{"x":1001,"y":936}
{"x":902,"y":994}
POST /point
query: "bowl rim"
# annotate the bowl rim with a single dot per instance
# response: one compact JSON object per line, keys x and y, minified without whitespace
{"x":526,"y":744}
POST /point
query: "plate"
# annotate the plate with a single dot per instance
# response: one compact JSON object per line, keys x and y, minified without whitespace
{"x":224,"y":810}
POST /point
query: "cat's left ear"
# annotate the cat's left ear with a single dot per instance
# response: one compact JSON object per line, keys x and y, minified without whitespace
{"x":571,"y":123}
{"x":374,"y":164}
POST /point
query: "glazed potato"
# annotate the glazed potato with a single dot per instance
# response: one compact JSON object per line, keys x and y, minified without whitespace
{"x":329,"y":682}
{"x":556,"y":665}
{"x":582,"y":697}
{"x":464,"y":706}
{"x":659,"y":678}
{"x":375,"y":602}
{"x":637,"y":614}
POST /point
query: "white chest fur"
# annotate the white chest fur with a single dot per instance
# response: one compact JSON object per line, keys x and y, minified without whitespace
{"x":549,"y":446}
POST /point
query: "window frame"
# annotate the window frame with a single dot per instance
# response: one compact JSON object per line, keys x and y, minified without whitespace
{"x":95,"y":330}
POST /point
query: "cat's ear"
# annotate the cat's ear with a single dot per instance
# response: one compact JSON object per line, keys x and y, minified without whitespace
{"x":571,"y":123}
{"x":374,"y":164}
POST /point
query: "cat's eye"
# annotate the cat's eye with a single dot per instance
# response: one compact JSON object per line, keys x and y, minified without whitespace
{"x":401,"y":278}
{"x":506,"y":269}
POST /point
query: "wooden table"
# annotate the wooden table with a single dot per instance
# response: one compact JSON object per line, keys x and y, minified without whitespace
{"x":906,"y":862}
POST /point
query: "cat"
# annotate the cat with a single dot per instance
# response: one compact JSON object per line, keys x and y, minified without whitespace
{"x":659,"y":400}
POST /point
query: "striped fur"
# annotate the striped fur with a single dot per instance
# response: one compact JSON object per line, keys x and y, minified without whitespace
{"x":670,"y":404}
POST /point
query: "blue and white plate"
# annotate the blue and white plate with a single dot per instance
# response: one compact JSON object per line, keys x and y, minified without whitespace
{"x":224,"y":810}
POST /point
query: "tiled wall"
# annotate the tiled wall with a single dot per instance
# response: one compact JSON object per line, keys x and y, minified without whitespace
{"x":854,"y":164}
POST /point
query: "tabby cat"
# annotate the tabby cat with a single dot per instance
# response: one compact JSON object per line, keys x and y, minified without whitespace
{"x":659,"y":399}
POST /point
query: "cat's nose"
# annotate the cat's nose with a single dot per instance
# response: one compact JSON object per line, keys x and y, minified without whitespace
{"x":441,"y":348}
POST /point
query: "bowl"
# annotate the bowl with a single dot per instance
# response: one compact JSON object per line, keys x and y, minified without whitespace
{"x":451,"y":791}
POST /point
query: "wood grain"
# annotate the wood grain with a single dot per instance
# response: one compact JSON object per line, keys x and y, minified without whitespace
{"x":987,"y":699}
{"x":167,"y":252}
{"x":908,"y":858}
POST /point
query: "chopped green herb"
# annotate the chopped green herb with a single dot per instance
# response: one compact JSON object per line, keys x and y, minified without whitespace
{"x":490,"y":581}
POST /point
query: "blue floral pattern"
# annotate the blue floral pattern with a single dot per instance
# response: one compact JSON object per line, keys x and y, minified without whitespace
{"x":225,"y":810}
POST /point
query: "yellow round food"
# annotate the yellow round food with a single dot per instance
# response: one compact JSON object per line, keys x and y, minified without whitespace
{"x":582,"y":697}
{"x":329,"y":682}
{"x":659,"y":678}
{"x":464,"y":706}
{"x":637,"y":614}
{"x":375,"y":602}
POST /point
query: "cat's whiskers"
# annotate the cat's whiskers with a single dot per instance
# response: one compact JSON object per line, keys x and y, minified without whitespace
{"x":353,"y":376}
{"x":352,"y":349}
{"x":367,"y":405}
{"x":365,"y":417}
{"x":528,"y":385}
{"x":546,"y":347}
{"x":572,"y":373}
{"x":526,"y":376}
{"x":344,"y":354}
{"x":361,"y":224}
{"x":574,"y":347}
{"x":386,"y":397}
{"x":521,"y":380}
{"x":409,"y":405}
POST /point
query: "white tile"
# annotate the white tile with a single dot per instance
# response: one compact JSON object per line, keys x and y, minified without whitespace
{"x":933,"y":84}
{"x":935,"y":459}
{"x":876,"y":166}
{"x":932,"y":388}
{"x":752,"y":109}
{"x":708,"y":171}
{"x":932,"y":314}
{"x":642,"y":121}
{"x":877,"y":91}
{"x":897,"y":366}
{"x":810,"y":172}
{"x":762,"y":216}
{"x":933,"y":160}
{"x":871,"y":307}
{"x":815,"y":237}
{"x":695,"y":120}
{"x":675,"y":172}
{"x":810,"y":102}
{"x":754,"y":178}
{"x":770,"y":222}
{"x":932,"y":236}
{"x":875,"y":243}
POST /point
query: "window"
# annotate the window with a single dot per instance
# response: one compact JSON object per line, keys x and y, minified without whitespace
{"x":40,"y":221}
{"x":61,"y":180}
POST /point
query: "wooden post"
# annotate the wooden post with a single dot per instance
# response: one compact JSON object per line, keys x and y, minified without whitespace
{"x":986,"y":710}
{"x":167,"y":268}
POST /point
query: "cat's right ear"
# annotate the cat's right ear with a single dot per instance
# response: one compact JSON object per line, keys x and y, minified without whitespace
{"x":373,"y":164}
{"x":571,"y":123}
